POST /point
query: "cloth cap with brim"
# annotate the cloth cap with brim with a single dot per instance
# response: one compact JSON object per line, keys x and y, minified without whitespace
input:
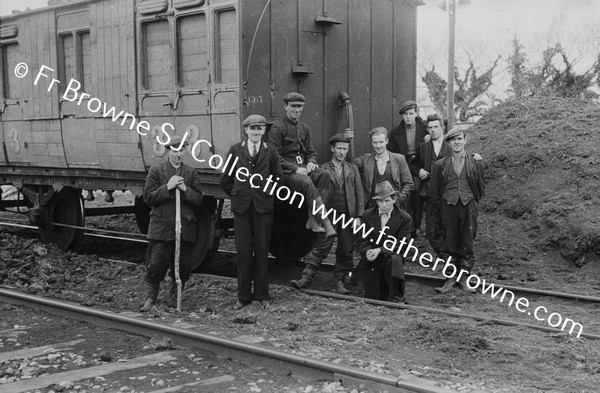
{"x":384,"y":190}
{"x":254,"y":120}
{"x":175,"y":142}
{"x":453,"y":133}
{"x":408,"y":105}
{"x":338,"y":138}
{"x":293,"y":97}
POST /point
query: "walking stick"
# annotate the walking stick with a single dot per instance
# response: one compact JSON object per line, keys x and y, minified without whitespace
{"x":178,"y":245}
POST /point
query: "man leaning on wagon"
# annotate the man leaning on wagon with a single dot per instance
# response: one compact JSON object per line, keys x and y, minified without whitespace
{"x":457,"y":185}
{"x":159,"y":193}
{"x":292,"y":140}
{"x":405,"y":140}
{"x":252,"y":211}
{"x":347,"y":199}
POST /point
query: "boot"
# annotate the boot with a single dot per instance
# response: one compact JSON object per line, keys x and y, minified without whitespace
{"x":307,"y":276}
{"x":340,"y":288}
{"x":448,"y":285}
{"x":462,"y":284}
{"x":172,"y":303}
{"x":402,"y":290}
{"x":150,"y":297}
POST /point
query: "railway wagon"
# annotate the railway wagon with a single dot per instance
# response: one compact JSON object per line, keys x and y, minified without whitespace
{"x":107,"y":80}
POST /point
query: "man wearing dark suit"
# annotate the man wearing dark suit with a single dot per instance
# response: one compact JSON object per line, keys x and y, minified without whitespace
{"x":252,"y":210}
{"x":428,"y":153}
{"x":159,"y":194}
{"x":457,"y":185}
{"x":405,"y":140}
{"x":382,"y":270}
{"x":347,"y":199}
{"x":383,"y":165}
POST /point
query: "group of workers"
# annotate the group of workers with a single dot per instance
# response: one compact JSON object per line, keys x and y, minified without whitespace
{"x":413,"y":167}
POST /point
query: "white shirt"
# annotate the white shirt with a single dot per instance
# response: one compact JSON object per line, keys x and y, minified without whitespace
{"x":251,"y":147}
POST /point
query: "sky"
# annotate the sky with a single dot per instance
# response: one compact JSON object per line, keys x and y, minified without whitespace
{"x":485,"y":30}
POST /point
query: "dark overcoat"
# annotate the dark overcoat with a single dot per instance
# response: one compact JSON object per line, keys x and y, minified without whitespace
{"x":162,"y":202}
{"x":251,"y":189}
{"x":398,"y":143}
{"x":425,"y":157}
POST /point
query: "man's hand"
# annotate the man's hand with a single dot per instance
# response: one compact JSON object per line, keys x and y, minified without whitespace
{"x":423,"y":174}
{"x":372,"y":254}
{"x":174,"y":182}
{"x":311,"y":166}
{"x":182,"y":187}
{"x":302,"y":171}
{"x":477,"y":157}
{"x":357,"y":221}
{"x":348,"y":133}
{"x":426,"y":138}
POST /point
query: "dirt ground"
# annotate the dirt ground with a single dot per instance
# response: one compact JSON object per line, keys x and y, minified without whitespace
{"x":538,"y":227}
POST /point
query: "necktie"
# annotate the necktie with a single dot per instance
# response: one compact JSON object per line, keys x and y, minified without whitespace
{"x":254,"y":151}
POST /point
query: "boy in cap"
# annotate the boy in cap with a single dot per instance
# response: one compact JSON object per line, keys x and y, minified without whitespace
{"x":346,"y":198}
{"x":252,"y":210}
{"x":291,"y":138}
{"x":405,"y":140}
{"x":159,"y":194}
{"x":457,"y":185}
{"x":381,"y":270}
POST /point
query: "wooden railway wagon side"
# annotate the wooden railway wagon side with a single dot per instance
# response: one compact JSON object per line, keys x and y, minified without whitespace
{"x":194,"y":67}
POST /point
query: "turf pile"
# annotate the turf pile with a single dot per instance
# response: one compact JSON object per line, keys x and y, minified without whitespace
{"x":541,"y":158}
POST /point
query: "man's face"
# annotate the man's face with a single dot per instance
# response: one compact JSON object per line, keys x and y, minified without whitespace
{"x":339,"y":150}
{"x":435,"y":130}
{"x":293,"y":109}
{"x":386,"y":204}
{"x":255,"y":132}
{"x":409,"y":116}
{"x":176,"y":157}
{"x":458,"y":143}
{"x":379,"y":143}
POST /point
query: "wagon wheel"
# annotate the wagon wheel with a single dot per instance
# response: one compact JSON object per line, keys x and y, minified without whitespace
{"x":66,"y":207}
{"x":290,"y":240}
{"x":142,"y":214}
{"x":207,"y":241}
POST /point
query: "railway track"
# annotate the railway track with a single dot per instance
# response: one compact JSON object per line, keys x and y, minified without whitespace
{"x":189,"y":337}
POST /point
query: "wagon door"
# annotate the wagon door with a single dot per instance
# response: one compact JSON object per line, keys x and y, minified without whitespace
{"x":225,"y":86}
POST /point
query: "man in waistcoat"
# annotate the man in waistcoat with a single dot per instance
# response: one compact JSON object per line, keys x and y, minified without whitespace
{"x":457,"y":185}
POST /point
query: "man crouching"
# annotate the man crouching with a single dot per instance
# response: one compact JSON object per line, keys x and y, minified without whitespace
{"x":381,"y":270}
{"x":159,"y":193}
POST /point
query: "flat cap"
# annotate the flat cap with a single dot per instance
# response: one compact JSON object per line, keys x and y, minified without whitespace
{"x":384,"y":190}
{"x":293,"y":96}
{"x":254,"y":119}
{"x":408,"y":105}
{"x":452,"y":133}
{"x":175,"y":142}
{"x":338,"y":138}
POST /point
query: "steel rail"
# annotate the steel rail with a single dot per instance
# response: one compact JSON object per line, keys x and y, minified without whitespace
{"x":445,"y":312}
{"x":307,"y":367}
{"x":421,"y":277}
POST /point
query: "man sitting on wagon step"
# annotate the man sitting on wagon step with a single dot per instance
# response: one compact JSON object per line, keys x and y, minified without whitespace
{"x":291,"y":138}
{"x":159,"y":193}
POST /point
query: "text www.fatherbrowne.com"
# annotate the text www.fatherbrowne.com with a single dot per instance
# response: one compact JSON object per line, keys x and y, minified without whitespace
{"x":449,"y":270}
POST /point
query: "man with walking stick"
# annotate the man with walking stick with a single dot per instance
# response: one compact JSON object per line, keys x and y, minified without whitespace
{"x":164,"y":183}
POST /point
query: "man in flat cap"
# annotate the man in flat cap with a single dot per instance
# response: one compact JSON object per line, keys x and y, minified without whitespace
{"x":252,"y":209}
{"x":381,"y":269}
{"x":457,"y":185}
{"x":291,"y":138}
{"x":159,"y":194}
{"x":405,"y":140}
{"x":346,"y":199}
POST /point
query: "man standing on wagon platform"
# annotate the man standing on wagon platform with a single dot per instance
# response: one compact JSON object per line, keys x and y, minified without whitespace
{"x":159,"y":194}
{"x":292,"y":140}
